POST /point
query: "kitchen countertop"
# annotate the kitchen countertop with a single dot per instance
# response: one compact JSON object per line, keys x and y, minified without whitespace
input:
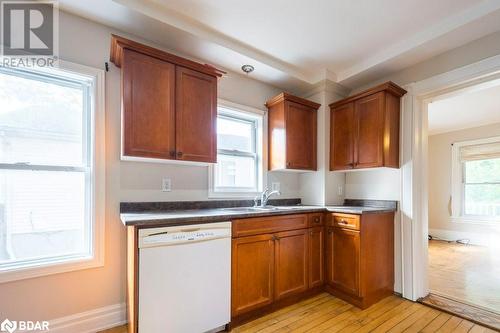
{"x":197,"y":216}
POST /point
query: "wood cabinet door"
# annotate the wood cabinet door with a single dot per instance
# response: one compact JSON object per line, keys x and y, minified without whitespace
{"x":369,"y":129}
{"x":148,"y":106}
{"x":252,"y":273}
{"x":316,"y":256}
{"x":346,"y":260}
{"x":342,"y":137}
{"x":196,"y":116}
{"x":300,"y":123}
{"x":291,"y":263}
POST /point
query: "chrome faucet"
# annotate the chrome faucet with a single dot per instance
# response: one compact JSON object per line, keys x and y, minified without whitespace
{"x":264,"y":197}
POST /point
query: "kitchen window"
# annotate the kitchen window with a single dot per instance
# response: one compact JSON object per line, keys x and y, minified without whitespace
{"x":51,"y":170}
{"x":476,"y":181}
{"x":239,"y":168}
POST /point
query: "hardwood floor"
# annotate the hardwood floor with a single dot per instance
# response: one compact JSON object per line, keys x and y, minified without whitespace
{"x":325,"y":313}
{"x":467,"y":273}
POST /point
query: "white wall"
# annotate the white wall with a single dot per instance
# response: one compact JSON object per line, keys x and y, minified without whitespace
{"x":440,"y":161}
{"x":379,"y":184}
{"x":321,"y":187}
{"x":55,"y":296}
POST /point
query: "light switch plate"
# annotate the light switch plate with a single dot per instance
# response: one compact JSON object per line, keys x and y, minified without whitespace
{"x":166,"y":185}
{"x":275,"y":186}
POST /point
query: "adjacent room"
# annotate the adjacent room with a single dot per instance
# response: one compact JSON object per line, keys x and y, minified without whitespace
{"x":202,"y":166}
{"x":464,"y":197}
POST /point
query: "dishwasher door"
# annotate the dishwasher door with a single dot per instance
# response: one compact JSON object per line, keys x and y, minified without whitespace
{"x":185,"y":278}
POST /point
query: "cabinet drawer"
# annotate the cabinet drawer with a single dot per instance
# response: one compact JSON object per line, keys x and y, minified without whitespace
{"x":268,"y":224}
{"x":346,"y":221}
{"x":316,"y":219}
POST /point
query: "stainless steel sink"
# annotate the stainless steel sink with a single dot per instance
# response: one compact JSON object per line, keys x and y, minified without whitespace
{"x":261,"y":209}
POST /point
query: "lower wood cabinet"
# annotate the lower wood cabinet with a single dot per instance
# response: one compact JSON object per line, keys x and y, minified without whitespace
{"x":316,"y":245}
{"x":252,"y":277}
{"x":273,"y":267}
{"x":291,"y":262}
{"x":360,"y":257}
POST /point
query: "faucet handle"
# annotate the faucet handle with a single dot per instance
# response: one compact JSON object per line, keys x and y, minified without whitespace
{"x":256,"y":201}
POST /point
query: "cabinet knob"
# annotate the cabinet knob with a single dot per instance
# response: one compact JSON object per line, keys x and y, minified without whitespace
{"x":172,"y":153}
{"x":316,"y":219}
{"x":330,"y":230}
{"x":179,"y":154}
{"x":288,"y":164}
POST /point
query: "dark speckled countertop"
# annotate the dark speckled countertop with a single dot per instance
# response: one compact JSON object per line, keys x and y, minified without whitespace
{"x":167,"y":214}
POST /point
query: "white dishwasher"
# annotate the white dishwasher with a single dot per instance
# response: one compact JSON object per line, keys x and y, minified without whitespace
{"x":185,"y":278}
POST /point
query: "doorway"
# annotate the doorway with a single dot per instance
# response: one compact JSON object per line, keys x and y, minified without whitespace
{"x":463,"y":272}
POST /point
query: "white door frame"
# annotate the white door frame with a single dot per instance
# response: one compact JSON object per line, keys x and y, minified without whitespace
{"x":414,"y":161}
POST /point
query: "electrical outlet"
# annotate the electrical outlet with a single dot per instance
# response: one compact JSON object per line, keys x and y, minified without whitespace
{"x":166,"y":185}
{"x":340,"y":190}
{"x":275,"y":186}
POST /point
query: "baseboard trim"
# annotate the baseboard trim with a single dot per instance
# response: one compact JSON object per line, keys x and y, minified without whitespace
{"x":484,"y":239}
{"x":91,"y":321}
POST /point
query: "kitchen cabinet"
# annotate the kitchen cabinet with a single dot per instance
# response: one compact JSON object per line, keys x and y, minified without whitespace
{"x":365,"y":129}
{"x":291,"y":262}
{"x":360,"y":257}
{"x":292,"y":132}
{"x":316,"y":245}
{"x":275,"y":259}
{"x":196,"y":116}
{"x":252,"y":273}
{"x":169,"y":104}
{"x":148,"y":84}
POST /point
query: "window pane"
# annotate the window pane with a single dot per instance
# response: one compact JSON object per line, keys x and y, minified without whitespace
{"x":235,"y":171}
{"x":42,"y":214}
{"x":482,"y":171}
{"x":40,"y":122}
{"x":234,"y":134}
{"x":482,"y":200}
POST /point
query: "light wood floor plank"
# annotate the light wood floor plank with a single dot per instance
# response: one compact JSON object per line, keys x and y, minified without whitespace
{"x":436,"y":323}
{"x":450,"y":325}
{"x":422,"y":322}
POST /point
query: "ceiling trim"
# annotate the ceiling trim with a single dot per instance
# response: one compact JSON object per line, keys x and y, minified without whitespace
{"x":183,"y":22}
{"x":451,"y":23}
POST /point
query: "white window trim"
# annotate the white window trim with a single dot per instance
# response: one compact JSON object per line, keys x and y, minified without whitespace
{"x":98,"y":184}
{"x":456,"y":185}
{"x":261,"y":149}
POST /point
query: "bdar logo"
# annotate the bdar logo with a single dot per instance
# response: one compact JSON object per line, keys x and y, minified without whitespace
{"x":8,"y":326}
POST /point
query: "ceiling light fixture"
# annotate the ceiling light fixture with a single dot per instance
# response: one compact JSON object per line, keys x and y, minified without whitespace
{"x":247,"y":68}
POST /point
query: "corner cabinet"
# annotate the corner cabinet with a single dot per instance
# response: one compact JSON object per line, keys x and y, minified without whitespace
{"x":364,"y":129}
{"x":169,"y":104}
{"x":292,"y":133}
{"x":360,"y":257}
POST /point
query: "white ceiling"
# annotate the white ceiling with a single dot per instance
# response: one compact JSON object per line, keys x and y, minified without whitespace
{"x":466,"y":110}
{"x":295,"y":42}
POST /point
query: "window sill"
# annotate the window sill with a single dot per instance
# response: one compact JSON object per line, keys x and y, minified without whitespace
{"x":232,"y":195}
{"x":33,"y":271}
{"x":475,"y":220}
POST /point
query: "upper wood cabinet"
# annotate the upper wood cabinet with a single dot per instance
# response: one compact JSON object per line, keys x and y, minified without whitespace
{"x":169,"y":104}
{"x":364,"y":129}
{"x":292,"y":133}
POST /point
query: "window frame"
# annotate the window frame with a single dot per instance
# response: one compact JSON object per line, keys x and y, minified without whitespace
{"x":458,"y":186}
{"x":93,"y":165}
{"x":245,"y":114}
